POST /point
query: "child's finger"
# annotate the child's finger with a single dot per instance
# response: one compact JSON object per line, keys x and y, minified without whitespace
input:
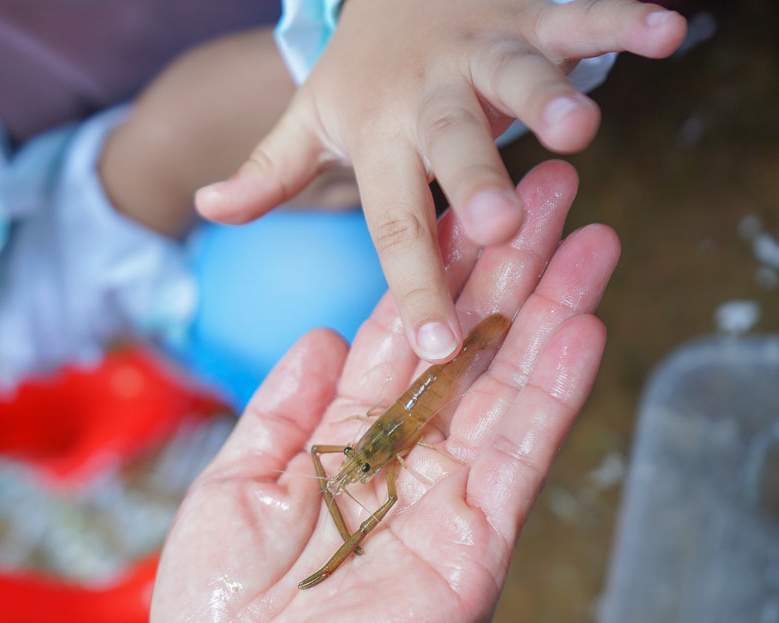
{"x":281,"y":165}
{"x":399,"y":211}
{"x":457,"y":140}
{"x":521,"y":82}
{"x":585,"y":29}
{"x":380,"y":350}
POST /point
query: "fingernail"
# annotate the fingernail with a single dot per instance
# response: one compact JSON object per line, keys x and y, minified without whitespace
{"x":435,"y":341}
{"x":209,"y":195}
{"x":657,"y":18}
{"x":561,"y":107}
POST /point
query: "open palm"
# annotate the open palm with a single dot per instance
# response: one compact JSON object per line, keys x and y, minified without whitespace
{"x":254,"y":525}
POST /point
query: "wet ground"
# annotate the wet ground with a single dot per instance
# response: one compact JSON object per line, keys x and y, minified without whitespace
{"x":686,"y":162}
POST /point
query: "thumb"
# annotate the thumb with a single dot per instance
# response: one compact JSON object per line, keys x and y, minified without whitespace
{"x":281,"y":165}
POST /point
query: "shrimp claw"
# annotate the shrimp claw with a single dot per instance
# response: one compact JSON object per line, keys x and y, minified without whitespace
{"x":353,"y":542}
{"x":329,"y":498}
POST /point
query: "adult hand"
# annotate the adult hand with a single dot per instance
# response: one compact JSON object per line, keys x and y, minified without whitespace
{"x":407,"y":91}
{"x":253,"y":525}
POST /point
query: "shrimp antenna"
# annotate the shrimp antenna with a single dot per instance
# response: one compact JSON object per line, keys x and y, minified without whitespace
{"x":299,"y":474}
{"x":376,"y":404}
{"x":360,"y":504}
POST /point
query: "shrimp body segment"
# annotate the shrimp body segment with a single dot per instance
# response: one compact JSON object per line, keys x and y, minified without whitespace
{"x":397,"y":430}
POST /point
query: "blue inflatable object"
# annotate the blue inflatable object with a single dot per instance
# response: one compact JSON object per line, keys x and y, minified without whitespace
{"x":264,"y":284}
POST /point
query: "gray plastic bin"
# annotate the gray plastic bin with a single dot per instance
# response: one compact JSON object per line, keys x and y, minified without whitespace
{"x":698,"y":537}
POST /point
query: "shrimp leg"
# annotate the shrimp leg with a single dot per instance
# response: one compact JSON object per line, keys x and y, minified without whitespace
{"x":354,"y":541}
{"x":332,"y":505}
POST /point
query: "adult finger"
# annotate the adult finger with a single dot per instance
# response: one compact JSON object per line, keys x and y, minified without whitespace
{"x":507,"y":474}
{"x":572,"y":284}
{"x":457,"y":139}
{"x":284,"y":411}
{"x":511,"y":449}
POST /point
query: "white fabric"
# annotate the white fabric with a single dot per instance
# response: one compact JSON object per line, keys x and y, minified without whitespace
{"x":74,"y":272}
{"x":303,"y":31}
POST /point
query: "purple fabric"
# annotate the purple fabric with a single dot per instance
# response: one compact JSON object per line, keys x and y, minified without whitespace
{"x":61,"y":60}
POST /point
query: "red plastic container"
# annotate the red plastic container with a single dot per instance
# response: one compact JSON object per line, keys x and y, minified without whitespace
{"x":70,"y":428}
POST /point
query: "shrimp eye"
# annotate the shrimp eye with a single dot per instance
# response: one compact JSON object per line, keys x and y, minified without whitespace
{"x":366,"y":468}
{"x":347,"y":450}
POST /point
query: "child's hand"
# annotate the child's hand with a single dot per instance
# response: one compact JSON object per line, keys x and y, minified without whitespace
{"x":408,"y":91}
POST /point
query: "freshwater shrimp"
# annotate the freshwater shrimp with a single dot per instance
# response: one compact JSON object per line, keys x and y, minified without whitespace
{"x":394,"y":433}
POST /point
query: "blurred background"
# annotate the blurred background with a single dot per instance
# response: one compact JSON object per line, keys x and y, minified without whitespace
{"x":686,"y":169}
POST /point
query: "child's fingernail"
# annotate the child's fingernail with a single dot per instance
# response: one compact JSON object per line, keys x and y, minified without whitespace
{"x":489,"y":213}
{"x":657,"y":18}
{"x":561,"y":107}
{"x":210,"y":195}
{"x":435,"y":341}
